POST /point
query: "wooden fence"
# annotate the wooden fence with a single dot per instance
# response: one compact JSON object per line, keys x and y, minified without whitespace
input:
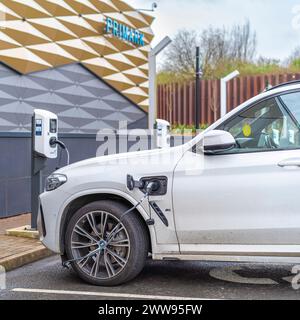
{"x":176,"y":102}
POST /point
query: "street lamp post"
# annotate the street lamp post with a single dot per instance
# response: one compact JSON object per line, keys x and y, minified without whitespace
{"x":224,"y":82}
{"x":152,"y":79}
{"x":197,"y":100}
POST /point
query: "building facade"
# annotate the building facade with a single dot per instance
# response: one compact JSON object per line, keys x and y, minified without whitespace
{"x":84,"y":60}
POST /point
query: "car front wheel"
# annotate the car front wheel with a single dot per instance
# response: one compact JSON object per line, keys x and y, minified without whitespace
{"x":105,"y":247}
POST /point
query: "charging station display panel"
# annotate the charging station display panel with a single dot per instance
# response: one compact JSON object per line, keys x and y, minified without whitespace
{"x":38,"y":127}
{"x":46,"y":129}
{"x":53,"y":126}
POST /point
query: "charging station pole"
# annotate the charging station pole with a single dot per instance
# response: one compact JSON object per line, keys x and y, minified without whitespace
{"x":38,"y":163}
{"x":44,"y":129}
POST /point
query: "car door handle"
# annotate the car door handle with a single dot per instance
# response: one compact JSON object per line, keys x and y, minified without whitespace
{"x":294,"y":162}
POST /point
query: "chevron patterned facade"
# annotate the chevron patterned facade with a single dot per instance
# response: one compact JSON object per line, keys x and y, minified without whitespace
{"x":83,"y":103}
{"x":40,"y":35}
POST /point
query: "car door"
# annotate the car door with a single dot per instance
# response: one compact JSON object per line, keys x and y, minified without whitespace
{"x":246,"y":197}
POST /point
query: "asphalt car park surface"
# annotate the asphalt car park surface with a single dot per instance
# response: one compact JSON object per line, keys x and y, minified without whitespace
{"x":47,"y":279}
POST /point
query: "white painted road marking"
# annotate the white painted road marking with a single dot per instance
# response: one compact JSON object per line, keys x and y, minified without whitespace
{"x":106,"y":294}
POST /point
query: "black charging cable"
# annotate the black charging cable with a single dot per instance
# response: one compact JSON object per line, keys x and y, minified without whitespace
{"x":149,"y":190}
{"x":54,"y":142}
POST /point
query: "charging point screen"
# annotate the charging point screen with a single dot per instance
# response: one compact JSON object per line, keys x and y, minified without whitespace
{"x":53,"y":126}
{"x":38,"y":127}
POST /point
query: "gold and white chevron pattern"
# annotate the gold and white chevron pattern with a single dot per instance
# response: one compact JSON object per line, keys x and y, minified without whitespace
{"x":43,"y":34}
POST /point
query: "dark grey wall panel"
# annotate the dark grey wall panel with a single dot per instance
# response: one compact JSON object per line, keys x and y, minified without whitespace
{"x":18,"y":196}
{"x":14,"y":159}
{"x":3,"y":210}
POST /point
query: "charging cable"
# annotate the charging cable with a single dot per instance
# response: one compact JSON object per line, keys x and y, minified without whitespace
{"x":146,"y":196}
{"x":54,"y":142}
{"x":103,"y":244}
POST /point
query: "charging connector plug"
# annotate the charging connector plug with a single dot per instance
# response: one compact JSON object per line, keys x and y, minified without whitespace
{"x":54,"y":142}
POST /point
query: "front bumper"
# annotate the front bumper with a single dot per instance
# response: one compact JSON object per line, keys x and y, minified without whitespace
{"x":49,"y":218}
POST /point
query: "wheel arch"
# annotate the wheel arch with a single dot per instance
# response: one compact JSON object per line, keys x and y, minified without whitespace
{"x":82,"y":200}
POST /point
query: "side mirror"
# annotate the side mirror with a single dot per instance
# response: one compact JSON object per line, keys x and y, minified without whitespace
{"x":217,"y":141}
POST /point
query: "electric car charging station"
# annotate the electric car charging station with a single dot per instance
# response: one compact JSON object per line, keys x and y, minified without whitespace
{"x":44,"y":146}
{"x":44,"y":133}
{"x":163,"y":136}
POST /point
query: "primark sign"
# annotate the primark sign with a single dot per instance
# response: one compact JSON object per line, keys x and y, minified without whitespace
{"x":124,"y":32}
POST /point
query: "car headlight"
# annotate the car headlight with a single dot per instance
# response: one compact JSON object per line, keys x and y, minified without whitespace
{"x":55,"y":181}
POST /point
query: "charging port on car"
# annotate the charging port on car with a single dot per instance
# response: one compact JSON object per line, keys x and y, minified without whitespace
{"x":159,"y":188}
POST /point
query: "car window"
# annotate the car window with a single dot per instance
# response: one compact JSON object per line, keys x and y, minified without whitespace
{"x":292,"y":102}
{"x":264,"y":127}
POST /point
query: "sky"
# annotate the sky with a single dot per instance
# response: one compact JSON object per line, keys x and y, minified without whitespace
{"x":277,"y":22}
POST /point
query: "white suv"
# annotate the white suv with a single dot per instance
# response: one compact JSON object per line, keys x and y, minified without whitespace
{"x":230,"y":194}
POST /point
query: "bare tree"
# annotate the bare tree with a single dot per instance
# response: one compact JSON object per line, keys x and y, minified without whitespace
{"x":242,"y":42}
{"x":181,"y":55}
{"x":217,"y":45}
{"x":213,"y":47}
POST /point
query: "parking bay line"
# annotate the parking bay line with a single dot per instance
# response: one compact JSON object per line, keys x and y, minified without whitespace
{"x":106,"y":294}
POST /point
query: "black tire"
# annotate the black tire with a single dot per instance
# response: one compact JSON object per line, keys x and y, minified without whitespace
{"x":137,"y":235}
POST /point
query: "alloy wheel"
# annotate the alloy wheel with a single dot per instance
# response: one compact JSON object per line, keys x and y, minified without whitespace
{"x":100,"y":245}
